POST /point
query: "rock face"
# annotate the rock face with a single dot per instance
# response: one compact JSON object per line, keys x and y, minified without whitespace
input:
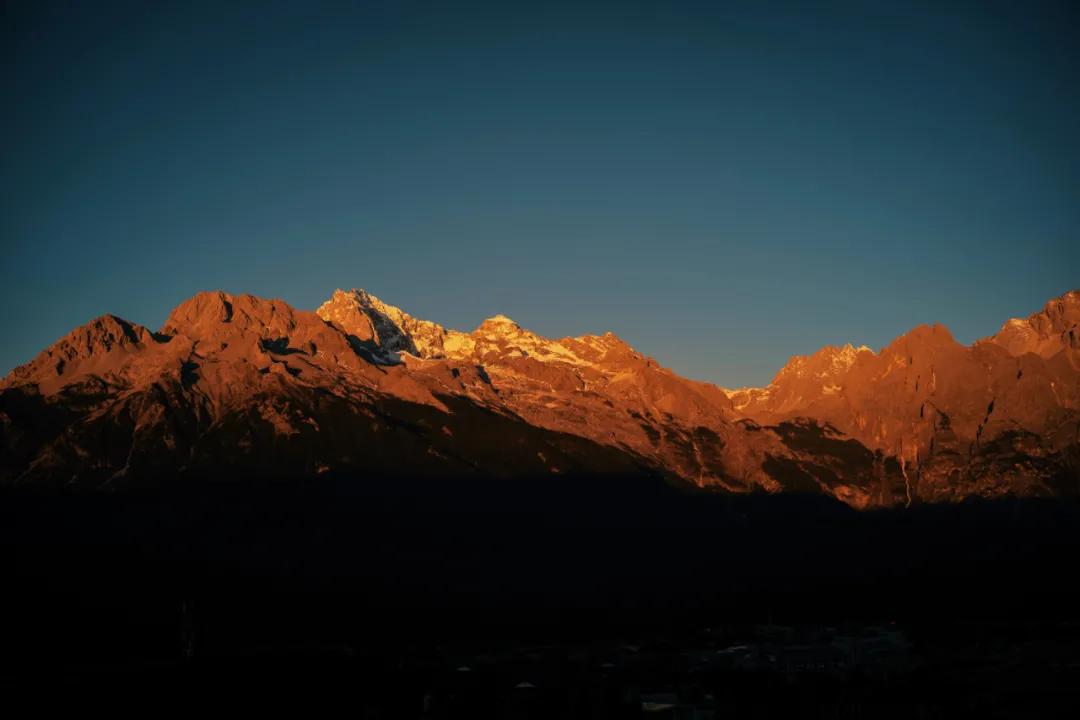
{"x":237,"y":386}
{"x":1046,"y":333}
{"x":999,"y":417}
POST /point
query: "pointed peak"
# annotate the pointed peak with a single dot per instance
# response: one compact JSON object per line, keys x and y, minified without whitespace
{"x":362,"y":295}
{"x":934,"y":335}
{"x":499,"y":325}
{"x":360,"y":298}
{"x":206,"y":306}
{"x":352,"y":294}
{"x":91,"y":344}
{"x":1072,"y":296}
{"x":827,"y":361}
{"x":108,"y":329}
{"x":1044,"y":333}
{"x":388,"y":329}
{"x":1016,"y":323}
{"x":848,"y":350}
{"x":609,"y":338}
{"x":934,"y":330}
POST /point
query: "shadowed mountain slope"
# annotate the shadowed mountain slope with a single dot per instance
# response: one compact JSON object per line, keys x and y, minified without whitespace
{"x":240,"y":386}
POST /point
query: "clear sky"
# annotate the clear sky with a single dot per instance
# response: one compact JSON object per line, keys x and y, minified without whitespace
{"x":722,"y":184}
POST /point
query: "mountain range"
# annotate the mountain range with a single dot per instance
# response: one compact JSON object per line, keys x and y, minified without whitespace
{"x":240,"y":387}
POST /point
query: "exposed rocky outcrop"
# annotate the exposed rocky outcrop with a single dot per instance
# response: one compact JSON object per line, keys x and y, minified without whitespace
{"x":1045,"y":333}
{"x":240,"y":386}
{"x":998,"y":417}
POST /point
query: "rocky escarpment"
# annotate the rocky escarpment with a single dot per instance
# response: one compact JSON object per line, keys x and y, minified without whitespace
{"x":240,"y":386}
{"x":1001,"y":416}
{"x":234,"y":385}
{"x":1046,"y":333}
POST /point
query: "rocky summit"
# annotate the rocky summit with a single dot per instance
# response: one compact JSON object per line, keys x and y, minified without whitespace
{"x":236,"y":386}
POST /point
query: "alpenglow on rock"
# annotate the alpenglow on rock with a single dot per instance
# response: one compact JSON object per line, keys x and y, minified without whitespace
{"x":241,"y":386}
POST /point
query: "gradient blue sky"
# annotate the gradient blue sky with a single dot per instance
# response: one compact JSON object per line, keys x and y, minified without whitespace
{"x":722,"y":184}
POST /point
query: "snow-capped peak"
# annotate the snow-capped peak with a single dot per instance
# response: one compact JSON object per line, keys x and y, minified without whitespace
{"x":499,"y":325}
{"x":384,"y":330}
{"x":388,"y":333}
